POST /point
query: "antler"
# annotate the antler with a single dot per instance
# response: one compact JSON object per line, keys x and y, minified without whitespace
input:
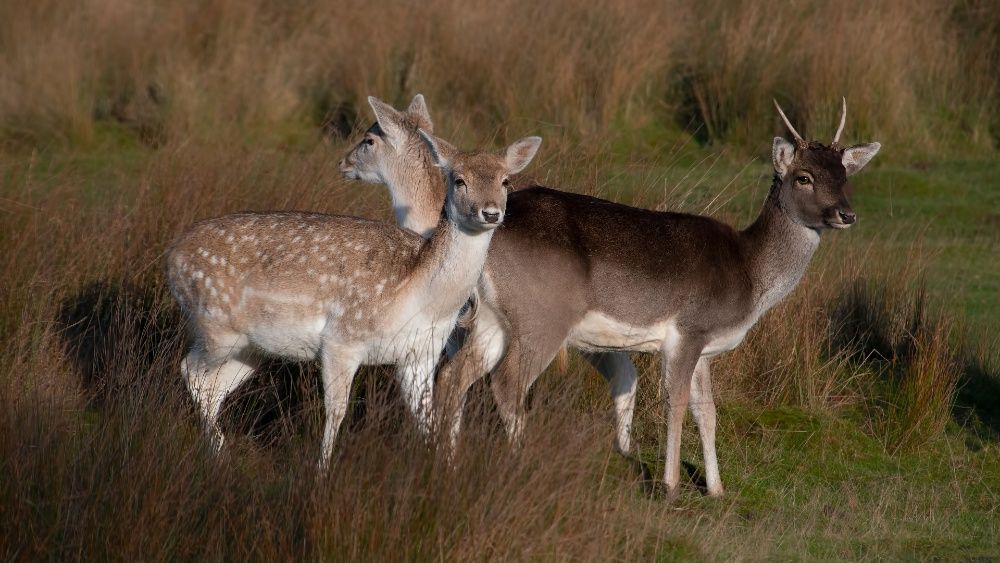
{"x":789,"y":124}
{"x":843,"y":119}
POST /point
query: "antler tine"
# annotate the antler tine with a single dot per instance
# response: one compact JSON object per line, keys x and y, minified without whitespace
{"x":843,"y":119}
{"x":788,"y":123}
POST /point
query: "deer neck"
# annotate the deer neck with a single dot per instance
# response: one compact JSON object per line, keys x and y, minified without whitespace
{"x":417,"y":193}
{"x":780,"y":249}
{"x":449,"y":265}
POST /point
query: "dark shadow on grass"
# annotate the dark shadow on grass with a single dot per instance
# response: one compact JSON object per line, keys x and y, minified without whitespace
{"x":121,"y":342}
{"x":864,"y":327}
{"x":696,"y":476}
{"x":127,"y":346}
{"x":977,"y":404}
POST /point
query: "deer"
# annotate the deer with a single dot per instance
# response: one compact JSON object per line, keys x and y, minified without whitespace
{"x":570,"y":269}
{"x":414,"y":188}
{"x":345,"y":290}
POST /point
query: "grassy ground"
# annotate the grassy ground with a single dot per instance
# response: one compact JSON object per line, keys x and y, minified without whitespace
{"x":818,"y":454}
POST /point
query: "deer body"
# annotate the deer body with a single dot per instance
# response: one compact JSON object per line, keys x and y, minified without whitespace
{"x":349,"y":291}
{"x":609,"y":278}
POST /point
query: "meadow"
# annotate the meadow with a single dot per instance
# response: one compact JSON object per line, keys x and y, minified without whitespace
{"x":859,"y":420}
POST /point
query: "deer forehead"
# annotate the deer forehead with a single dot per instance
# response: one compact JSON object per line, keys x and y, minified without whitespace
{"x":484,"y":167}
{"x":824,"y":162}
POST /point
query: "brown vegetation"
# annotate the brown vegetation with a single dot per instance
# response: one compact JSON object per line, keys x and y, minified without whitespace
{"x":919,"y":75}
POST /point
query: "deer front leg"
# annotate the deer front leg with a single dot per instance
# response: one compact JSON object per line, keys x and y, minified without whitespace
{"x":678,"y":368}
{"x":483,"y":348}
{"x":703,"y":410}
{"x":339,"y":366}
{"x":514,"y":376}
{"x":416,"y":381}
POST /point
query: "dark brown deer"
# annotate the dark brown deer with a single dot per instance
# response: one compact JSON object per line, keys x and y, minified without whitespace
{"x":600,"y":276}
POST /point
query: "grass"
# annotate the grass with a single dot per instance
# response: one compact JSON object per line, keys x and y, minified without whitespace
{"x":826,"y":448}
{"x":859,"y":420}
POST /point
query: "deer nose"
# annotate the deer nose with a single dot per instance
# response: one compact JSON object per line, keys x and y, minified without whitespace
{"x":491,"y":214}
{"x":848,"y":217}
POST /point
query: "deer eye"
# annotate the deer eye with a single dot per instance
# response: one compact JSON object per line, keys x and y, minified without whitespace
{"x":803,"y":180}
{"x":460,"y":182}
{"x":368,"y":141}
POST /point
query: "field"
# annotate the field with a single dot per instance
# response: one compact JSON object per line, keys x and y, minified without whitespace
{"x":859,"y":420}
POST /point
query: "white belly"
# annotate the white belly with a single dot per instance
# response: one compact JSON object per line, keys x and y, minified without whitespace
{"x":292,"y":339}
{"x":599,"y":332}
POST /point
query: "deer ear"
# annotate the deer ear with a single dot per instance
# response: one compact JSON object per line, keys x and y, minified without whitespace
{"x":418,"y":110}
{"x":520,"y":153}
{"x":782,"y":153}
{"x":856,"y":157}
{"x":440,"y":150}
{"x":389,"y":120}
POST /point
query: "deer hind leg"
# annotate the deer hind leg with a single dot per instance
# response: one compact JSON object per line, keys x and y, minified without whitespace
{"x":211,"y":374}
{"x":618,"y":369}
{"x":678,"y":369}
{"x":514,"y":377}
{"x":703,"y":410}
{"x":339,"y":366}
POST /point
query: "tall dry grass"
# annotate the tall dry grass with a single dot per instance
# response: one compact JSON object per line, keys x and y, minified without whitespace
{"x":920,"y":76}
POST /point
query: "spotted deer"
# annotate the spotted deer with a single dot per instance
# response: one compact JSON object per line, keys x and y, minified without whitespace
{"x":347,"y":290}
{"x":600,"y":276}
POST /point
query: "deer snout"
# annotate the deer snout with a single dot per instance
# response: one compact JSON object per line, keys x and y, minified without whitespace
{"x":840,"y":217}
{"x":491,"y":214}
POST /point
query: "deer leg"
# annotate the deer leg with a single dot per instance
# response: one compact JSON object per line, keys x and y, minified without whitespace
{"x":678,"y":369}
{"x":339,"y":366}
{"x":483,"y":348}
{"x":514,"y":377}
{"x":703,"y":410}
{"x":416,"y":381}
{"x":618,"y":369}
{"x":211,"y":374}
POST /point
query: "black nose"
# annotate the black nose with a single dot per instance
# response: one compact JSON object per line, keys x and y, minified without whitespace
{"x":491,"y":216}
{"x":848,"y":217}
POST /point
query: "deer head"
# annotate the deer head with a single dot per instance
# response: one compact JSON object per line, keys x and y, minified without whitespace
{"x":382,"y":154}
{"x":478,"y":182}
{"x":811,"y":178}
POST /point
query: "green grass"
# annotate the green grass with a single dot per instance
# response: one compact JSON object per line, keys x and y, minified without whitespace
{"x":836,"y":493}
